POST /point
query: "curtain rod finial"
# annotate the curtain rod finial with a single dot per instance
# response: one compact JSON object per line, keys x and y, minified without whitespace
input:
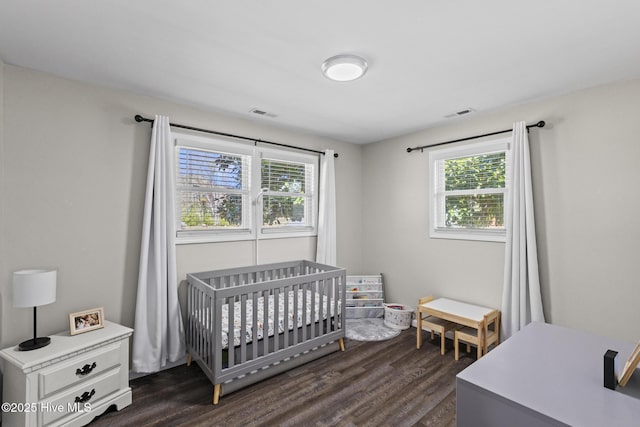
{"x":138,"y":118}
{"x":335,"y":155}
{"x":540,"y":124}
{"x":409,"y":150}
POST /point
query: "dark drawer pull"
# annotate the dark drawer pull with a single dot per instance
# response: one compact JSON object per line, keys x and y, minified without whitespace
{"x":86,"y":369}
{"x":86,"y":396}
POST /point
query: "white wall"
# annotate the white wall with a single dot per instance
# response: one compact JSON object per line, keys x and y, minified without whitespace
{"x":74,"y":169}
{"x":587,"y":199}
{"x":73,"y":166}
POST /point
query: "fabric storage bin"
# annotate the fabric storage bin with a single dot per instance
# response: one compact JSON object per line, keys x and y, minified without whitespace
{"x":397,"y":316}
{"x":364,"y":312}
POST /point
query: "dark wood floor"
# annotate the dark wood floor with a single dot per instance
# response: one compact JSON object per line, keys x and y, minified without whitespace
{"x":387,"y":383}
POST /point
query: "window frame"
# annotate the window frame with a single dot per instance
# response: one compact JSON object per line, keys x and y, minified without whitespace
{"x":437,"y":197}
{"x":311,"y":227}
{"x":254,"y":221}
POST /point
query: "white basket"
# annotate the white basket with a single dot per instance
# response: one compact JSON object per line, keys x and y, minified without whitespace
{"x":397,"y":316}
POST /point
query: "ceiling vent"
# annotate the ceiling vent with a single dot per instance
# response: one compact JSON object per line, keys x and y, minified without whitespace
{"x":462,"y":112}
{"x":259,"y":112}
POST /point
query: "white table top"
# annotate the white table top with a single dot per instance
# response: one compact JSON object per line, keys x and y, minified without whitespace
{"x":457,"y":308}
{"x":64,"y":345}
{"x":558,"y":372}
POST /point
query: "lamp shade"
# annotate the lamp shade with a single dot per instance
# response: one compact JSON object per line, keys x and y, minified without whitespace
{"x":33,"y":288}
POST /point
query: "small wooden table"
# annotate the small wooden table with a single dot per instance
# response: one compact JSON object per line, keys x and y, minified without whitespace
{"x":455,"y":311}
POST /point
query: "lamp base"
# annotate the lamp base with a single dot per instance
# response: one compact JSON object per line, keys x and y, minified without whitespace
{"x":34,"y":343}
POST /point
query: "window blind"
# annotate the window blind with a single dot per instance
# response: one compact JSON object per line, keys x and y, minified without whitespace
{"x":212,"y":188}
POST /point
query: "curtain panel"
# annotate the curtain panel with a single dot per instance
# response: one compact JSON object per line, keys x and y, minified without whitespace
{"x":159,"y":332}
{"x":521,"y":298}
{"x":326,"y":244}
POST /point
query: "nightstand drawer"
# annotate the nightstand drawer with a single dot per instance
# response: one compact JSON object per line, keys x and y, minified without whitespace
{"x":57,"y":377}
{"x":74,"y":400}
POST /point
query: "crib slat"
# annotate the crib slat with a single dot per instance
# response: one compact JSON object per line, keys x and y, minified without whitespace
{"x":216,"y":327}
{"x":331,"y":305}
{"x":342,"y":292}
{"x":276,"y":318}
{"x":336,"y":298}
{"x":305,"y":290}
{"x":313,"y":309}
{"x":317,"y":308}
{"x":322,"y":307}
{"x":202,"y":319}
{"x":296,"y":309}
{"x":327,"y":305}
{"x":210,"y":343}
{"x":254,"y":329}
{"x":199,"y":318}
{"x":286,"y":316}
{"x":265,"y":323}
{"x":329,"y":301}
{"x":231,"y":332}
{"x":243,"y":328}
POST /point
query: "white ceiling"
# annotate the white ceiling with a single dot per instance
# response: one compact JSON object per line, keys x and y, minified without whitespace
{"x":427,"y":58}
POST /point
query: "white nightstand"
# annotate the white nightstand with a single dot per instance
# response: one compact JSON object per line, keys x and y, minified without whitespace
{"x":68,"y":382}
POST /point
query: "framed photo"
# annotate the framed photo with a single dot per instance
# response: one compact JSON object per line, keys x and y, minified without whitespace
{"x":85,"y":321}
{"x":630,"y":366}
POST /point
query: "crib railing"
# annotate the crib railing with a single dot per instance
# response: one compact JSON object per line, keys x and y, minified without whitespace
{"x":210,"y":292}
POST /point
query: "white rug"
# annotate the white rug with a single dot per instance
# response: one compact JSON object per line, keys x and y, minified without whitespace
{"x":369,"y":329}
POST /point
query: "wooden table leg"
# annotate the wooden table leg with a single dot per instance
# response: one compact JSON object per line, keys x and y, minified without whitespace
{"x":482,"y":340}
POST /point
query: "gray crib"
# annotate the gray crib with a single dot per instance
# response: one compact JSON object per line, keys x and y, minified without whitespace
{"x":247,"y":324}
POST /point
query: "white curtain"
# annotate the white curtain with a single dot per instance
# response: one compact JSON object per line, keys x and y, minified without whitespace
{"x":326,"y":248}
{"x":159,"y":334}
{"x":521,"y":298}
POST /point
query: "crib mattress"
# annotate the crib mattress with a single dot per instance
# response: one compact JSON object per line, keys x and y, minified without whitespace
{"x":295,"y":319}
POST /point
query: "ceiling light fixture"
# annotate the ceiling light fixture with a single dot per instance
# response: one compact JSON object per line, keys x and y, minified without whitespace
{"x":344,"y":68}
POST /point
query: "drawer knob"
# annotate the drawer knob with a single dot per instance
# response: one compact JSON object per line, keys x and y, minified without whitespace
{"x":86,"y":396}
{"x":86,"y":369}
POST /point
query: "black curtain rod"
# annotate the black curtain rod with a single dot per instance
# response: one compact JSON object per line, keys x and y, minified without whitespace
{"x":139,"y":119}
{"x":540,"y":124}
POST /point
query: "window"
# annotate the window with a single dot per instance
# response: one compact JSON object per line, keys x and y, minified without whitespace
{"x":213,"y":189}
{"x":468,"y":190}
{"x":229,"y":191}
{"x":287,"y":200}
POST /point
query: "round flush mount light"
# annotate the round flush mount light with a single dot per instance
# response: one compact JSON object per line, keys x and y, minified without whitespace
{"x":344,"y":68}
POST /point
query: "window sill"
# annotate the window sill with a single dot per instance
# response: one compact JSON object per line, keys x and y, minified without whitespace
{"x":499,"y":237}
{"x":239,"y":237}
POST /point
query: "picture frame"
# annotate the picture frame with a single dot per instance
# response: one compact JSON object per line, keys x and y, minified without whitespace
{"x":87,"y":320}
{"x":630,"y":366}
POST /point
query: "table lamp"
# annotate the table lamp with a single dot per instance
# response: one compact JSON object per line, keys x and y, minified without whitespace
{"x":33,"y":288}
